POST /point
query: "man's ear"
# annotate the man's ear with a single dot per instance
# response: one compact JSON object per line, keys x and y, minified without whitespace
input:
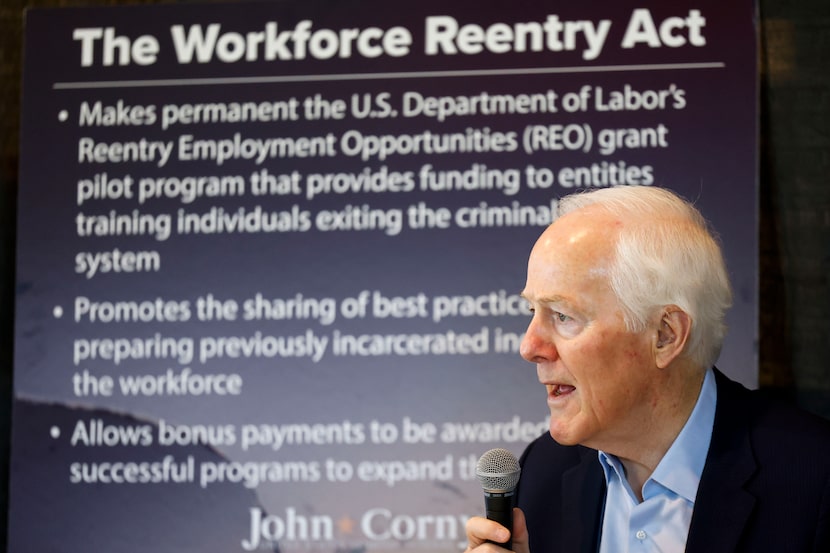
{"x":673,"y":331}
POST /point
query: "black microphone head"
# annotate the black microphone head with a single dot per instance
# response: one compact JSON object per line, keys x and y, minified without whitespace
{"x":498,"y":471}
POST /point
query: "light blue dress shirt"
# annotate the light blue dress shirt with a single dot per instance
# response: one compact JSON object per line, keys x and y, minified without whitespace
{"x":660,"y":524}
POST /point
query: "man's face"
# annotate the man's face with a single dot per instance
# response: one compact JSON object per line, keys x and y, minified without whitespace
{"x":600,"y":378}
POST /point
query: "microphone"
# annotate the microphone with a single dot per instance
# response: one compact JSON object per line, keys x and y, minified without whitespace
{"x":498,"y":471}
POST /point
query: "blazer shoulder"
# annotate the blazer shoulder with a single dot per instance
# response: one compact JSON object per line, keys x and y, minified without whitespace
{"x":770,"y":421}
{"x":767,"y":473}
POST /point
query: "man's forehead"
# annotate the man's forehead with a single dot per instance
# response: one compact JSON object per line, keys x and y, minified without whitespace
{"x":589,"y":242}
{"x":568,"y":260}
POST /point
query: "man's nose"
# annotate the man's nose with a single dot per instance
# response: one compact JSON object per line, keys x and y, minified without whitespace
{"x":537,"y":345}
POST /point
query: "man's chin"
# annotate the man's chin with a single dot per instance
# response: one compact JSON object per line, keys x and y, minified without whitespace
{"x":561,"y":437}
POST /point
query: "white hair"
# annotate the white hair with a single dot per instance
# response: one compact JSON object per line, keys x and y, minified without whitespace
{"x":666,"y":254}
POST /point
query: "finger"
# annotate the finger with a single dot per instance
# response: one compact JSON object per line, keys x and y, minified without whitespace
{"x":480,"y":531}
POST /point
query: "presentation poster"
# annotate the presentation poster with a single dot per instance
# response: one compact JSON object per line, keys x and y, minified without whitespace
{"x":270,"y":254}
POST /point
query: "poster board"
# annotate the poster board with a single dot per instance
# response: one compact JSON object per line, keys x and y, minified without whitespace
{"x":270,"y":253}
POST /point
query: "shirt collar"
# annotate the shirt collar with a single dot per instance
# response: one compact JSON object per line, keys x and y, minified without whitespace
{"x":681,"y":467}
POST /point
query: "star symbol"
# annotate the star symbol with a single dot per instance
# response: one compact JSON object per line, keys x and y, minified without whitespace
{"x":345,"y":524}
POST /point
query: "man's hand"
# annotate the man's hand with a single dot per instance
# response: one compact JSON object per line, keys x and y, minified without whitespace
{"x":481,"y":531}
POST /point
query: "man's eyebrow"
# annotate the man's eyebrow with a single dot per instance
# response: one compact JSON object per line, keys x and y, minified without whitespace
{"x":555,"y":299}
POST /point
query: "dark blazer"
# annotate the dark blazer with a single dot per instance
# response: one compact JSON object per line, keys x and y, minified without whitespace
{"x":765,"y":485}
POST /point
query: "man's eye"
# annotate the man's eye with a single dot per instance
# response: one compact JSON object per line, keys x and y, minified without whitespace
{"x":561,"y":317}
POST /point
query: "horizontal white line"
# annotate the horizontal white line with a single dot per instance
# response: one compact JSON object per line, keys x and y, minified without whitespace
{"x":377,"y":76}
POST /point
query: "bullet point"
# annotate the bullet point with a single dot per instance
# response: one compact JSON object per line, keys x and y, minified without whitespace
{"x":57,"y":311}
{"x":63,"y":115}
{"x":55,"y":432}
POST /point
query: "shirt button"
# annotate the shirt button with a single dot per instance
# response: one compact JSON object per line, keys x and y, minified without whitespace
{"x":641,"y":534}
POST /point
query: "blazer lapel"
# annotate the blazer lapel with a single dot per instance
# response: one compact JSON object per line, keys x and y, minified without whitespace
{"x":583,"y":491}
{"x":722,"y":505}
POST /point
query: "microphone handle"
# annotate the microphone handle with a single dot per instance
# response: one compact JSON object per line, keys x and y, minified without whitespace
{"x":499,"y":507}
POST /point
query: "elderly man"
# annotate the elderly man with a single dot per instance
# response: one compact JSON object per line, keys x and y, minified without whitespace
{"x":651,"y":448}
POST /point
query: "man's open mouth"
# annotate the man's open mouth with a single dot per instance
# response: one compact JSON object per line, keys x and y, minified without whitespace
{"x":562,"y":389}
